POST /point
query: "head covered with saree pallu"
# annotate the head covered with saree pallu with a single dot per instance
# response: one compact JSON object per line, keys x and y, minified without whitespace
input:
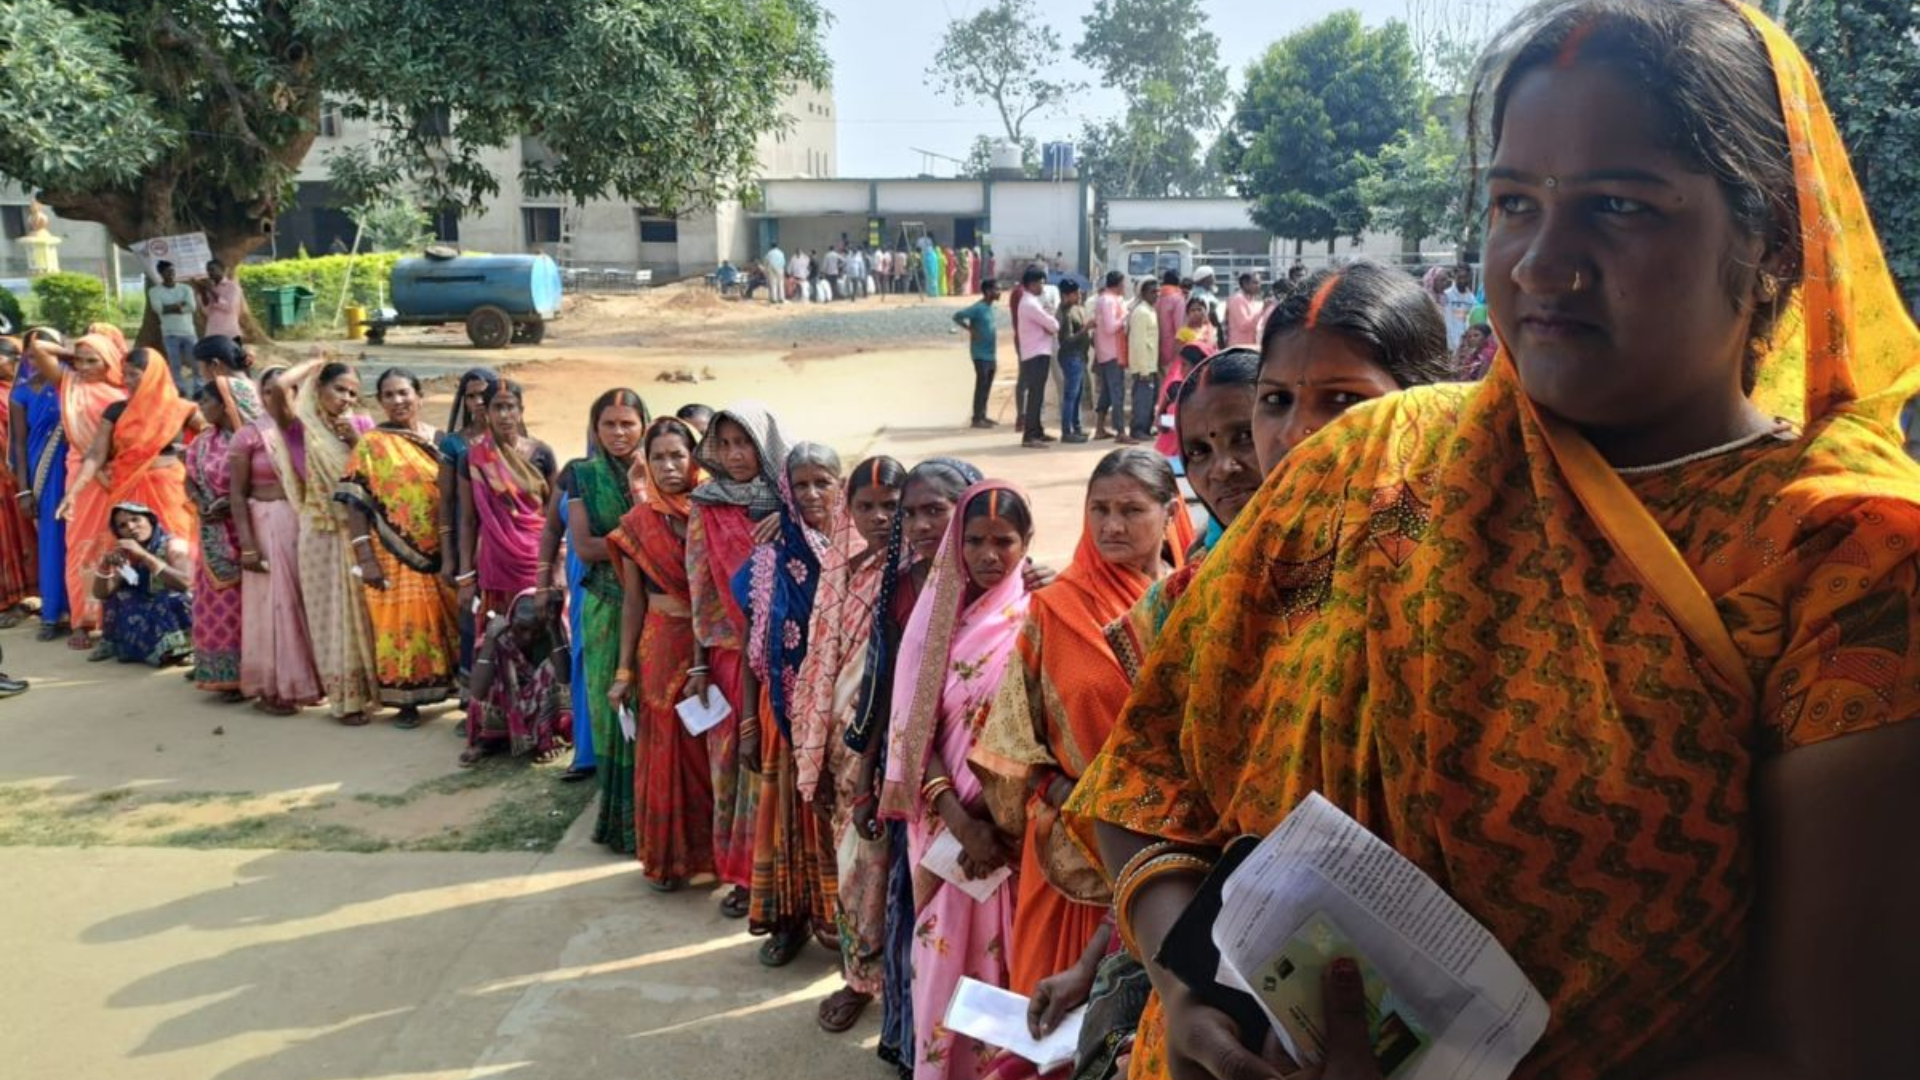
{"x":329,"y":457}
{"x":781,"y":580}
{"x":82,"y":401}
{"x":1548,"y":684}
{"x":760,"y":495}
{"x":1057,"y":707}
{"x":647,"y":533}
{"x":876,"y":686}
{"x":210,"y":480}
{"x":952,"y":657}
{"x":148,"y":427}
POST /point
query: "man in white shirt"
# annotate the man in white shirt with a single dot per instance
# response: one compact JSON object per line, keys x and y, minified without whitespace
{"x":1457,"y":304}
{"x":882,"y":270}
{"x":776,"y":263}
{"x":856,"y":271}
{"x":174,"y":303}
{"x":832,"y":265}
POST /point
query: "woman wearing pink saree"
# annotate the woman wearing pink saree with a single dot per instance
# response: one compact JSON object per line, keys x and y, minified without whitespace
{"x":503,"y":507}
{"x":957,"y":647}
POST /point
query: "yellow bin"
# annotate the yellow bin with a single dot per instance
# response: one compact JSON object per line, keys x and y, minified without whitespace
{"x":356,"y":322}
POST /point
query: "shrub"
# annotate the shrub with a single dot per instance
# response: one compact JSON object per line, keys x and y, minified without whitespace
{"x":10,"y":310}
{"x":70,"y":301}
{"x":326,"y":275}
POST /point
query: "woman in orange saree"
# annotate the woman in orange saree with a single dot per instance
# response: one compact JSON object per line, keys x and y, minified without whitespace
{"x":87,"y":378}
{"x":673,"y":788}
{"x":134,"y":457}
{"x":1615,"y":656}
{"x":1055,"y":708}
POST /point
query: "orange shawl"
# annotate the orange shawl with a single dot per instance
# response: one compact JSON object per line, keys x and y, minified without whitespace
{"x":146,"y":429}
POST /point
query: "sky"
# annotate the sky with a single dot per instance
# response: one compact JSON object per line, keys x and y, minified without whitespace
{"x":887,"y":112}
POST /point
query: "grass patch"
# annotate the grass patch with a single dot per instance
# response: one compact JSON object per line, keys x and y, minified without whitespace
{"x":499,"y":805}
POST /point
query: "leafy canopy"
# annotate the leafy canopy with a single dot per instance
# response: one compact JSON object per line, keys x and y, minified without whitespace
{"x":197,"y":114}
{"x":1000,"y":57}
{"x":1161,"y":55}
{"x":1316,"y":107}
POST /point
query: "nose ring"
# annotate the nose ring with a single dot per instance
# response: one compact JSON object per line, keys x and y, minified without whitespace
{"x":1576,"y":282}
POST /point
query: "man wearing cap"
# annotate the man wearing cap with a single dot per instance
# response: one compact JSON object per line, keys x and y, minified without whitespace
{"x":1204,"y":285}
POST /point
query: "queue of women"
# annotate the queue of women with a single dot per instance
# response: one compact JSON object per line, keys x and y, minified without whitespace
{"x":1614,"y":644}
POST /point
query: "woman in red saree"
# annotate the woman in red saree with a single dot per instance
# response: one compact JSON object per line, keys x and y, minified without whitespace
{"x":88,"y":378}
{"x":134,"y":457}
{"x":673,"y":787}
{"x":742,"y":453}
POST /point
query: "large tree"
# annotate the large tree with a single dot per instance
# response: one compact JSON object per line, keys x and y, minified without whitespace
{"x":1867,"y":55}
{"x":161,"y":117}
{"x":1002,"y":56}
{"x":1416,"y":185}
{"x":1316,"y":109}
{"x":1167,"y":64}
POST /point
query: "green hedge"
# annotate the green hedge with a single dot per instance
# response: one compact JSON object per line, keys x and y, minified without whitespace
{"x":10,"y":308}
{"x":70,"y":301}
{"x":326,"y":275}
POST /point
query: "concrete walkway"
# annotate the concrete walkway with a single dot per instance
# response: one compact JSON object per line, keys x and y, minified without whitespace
{"x":230,"y":965}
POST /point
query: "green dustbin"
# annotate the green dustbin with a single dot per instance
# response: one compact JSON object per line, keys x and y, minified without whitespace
{"x":288,"y":305}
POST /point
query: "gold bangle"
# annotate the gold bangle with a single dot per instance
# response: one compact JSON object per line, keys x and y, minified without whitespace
{"x":931,"y":791}
{"x":1141,"y":857}
{"x":1124,"y":893}
{"x":623,"y":675}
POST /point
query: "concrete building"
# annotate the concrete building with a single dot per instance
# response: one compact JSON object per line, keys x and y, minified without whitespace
{"x":1018,"y":218}
{"x":603,"y":233}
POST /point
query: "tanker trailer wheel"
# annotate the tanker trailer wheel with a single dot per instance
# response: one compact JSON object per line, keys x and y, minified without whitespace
{"x":488,"y":327}
{"x":531,"y":332}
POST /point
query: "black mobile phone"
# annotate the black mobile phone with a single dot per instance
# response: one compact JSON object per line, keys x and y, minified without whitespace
{"x":1189,"y":952}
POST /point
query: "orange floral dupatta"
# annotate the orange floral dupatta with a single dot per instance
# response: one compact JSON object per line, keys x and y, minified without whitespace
{"x":1443,"y":617}
{"x":146,"y":429}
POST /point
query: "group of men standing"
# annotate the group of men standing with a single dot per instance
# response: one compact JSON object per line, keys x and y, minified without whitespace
{"x":845,"y":272}
{"x":217,"y":296}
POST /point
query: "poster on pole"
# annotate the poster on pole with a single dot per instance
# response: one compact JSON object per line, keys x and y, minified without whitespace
{"x":188,"y":253}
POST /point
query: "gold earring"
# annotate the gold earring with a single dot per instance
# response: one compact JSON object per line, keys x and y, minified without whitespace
{"x":1576,"y":282}
{"x":1768,"y":287}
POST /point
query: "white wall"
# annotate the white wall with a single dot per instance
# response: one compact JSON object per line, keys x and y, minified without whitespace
{"x":1176,"y":217}
{"x":910,"y":199}
{"x":1030,"y":218}
{"x":786,"y":197}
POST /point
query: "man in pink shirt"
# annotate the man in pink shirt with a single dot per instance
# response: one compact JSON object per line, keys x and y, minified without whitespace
{"x":221,"y":300}
{"x":1244,"y":309}
{"x":1034,"y":332}
{"x":1110,"y":356}
{"x":1171,"y":312}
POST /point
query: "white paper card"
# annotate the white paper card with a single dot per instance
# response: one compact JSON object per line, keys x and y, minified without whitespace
{"x":1478,"y":1008}
{"x":943,"y":858}
{"x":627,"y":725}
{"x":999,"y":1018}
{"x":129,"y":575}
{"x":700,"y":717}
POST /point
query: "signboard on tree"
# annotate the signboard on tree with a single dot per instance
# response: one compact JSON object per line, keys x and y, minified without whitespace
{"x":187,"y":252}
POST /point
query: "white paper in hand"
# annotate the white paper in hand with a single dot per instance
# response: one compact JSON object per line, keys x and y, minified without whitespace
{"x":627,"y":725}
{"x":943,"y":858}
{"x":699,"y":717}
{"x":999,"y":1018}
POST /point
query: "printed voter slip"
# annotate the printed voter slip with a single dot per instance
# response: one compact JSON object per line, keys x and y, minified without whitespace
{"x":1444,"y":1000}
{"x":999,"y":1018}
{"x":699,"y":716}
{"x":942,"y":858}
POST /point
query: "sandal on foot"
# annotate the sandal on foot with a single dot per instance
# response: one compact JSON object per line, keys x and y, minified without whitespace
{"x":736,"y":904}
{"x":666,"y":885}
{"x":472,"y":756}
{"x":407,"y":720}
{"x":843,"y":1009}
{"x":51,"y":632}
{"x":781,"y":947}
{"x":358,"y":719}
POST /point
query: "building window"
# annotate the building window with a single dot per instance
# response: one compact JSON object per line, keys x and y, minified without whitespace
{"x":655,"y":229}
{"x":434,"y":122}
{"x":13,"y":221}
{"x":446,"y":224}
{"x":540,"y":224}
{"x":329,"y":120}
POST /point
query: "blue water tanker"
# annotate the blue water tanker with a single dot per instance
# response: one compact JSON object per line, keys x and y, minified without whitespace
{"x":502,"y":299}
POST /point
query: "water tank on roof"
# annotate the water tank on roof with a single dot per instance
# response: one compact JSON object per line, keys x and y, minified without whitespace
{"x":520,"y":285}
{"x":1004,"y":162}
{"x":1056,"y":161}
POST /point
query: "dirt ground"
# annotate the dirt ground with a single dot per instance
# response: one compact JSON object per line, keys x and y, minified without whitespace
{"x":199,"y":891}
